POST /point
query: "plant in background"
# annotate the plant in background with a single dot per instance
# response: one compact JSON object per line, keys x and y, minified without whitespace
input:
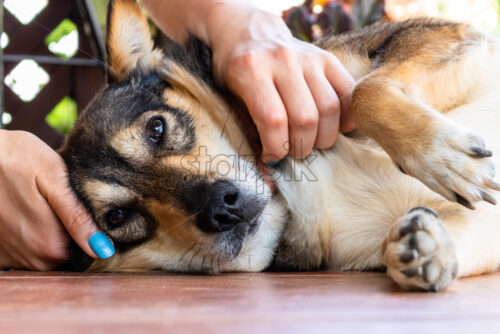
{"x":63,"y":40}
{"x":314,"y":19}
{"x":63,"y":116}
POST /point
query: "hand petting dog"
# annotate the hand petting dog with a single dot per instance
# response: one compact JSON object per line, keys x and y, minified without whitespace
{"x":294,"y":92}
{"x":297,"y":94}
{"x":145,"y":156}
{"x":35,"y":198}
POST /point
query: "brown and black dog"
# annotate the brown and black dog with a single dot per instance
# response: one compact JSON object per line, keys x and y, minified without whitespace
{"x":164,"y":159}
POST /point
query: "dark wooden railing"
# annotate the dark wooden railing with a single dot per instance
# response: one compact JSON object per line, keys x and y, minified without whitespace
{"x":79,"y":77}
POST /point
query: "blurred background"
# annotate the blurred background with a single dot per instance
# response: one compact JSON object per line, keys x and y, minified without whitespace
{"x":53,"y":49}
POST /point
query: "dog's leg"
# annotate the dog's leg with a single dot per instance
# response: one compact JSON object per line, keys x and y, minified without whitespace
{"x":419,"y":253}
{"x":445,"y":156}
{"x":426,"y":250}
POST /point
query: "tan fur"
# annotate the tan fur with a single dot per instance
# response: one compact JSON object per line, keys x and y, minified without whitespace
{"x":426,"y":81}
{"x":391,"y":106}
{"x":101,"y":193}
{"x":347,"y":205}
{"x":127,"y":46}
{"x":126,"y":143}
{"x":357,"y":65}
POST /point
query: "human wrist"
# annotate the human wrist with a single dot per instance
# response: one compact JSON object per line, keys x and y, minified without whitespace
{"x":177,"y":18}
{"x":228,"y":20}
{"x":204,"y":19}
{"x":219,"y":14}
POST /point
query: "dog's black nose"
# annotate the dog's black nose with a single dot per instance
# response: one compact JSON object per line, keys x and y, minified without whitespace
{"x":224,"y":208}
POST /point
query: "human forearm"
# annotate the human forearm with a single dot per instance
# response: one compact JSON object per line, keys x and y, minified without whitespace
{"x":199,"y":17}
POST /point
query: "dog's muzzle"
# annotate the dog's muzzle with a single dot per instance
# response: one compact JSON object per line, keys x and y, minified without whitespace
{"x":227,"y":207}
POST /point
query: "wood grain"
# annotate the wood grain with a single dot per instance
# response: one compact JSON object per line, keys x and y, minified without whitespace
{"x":351,"y":302}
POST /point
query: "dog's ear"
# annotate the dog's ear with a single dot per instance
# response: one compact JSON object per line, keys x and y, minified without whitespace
{"x":128,"y":42}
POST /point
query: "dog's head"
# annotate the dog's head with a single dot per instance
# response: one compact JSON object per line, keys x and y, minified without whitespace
{"x":161,"y":160}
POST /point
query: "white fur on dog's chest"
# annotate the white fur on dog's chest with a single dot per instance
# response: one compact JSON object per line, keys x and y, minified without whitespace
{"x":355,"y":193}
{"x":339,"y":217}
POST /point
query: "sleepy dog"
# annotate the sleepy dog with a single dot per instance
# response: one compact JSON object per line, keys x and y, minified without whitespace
{"x":166,"y":161}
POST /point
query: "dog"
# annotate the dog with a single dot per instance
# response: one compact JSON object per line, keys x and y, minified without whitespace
{"x":167,"y":161}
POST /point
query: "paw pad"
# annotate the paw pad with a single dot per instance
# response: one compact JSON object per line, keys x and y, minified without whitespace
{"x":420,"y":253}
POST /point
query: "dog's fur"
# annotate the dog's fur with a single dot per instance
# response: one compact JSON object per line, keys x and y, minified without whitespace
{"x":383,"y":197}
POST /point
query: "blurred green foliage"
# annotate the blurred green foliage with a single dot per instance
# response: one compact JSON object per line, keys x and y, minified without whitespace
{"x":497,"y":30}
{"x":64,"y":28}
{"x":63,"y":116}
{"x":101,"y":6}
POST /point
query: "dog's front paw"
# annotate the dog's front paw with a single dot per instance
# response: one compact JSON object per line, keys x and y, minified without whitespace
{"x":418,"y":252}
{"x":455,"y":164}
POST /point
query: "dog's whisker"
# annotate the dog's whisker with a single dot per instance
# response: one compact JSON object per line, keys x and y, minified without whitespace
{"x":189,"y":249}
{"x":224,"y":127}
{"x":203,"y":261}
{"x":212,"y":263}
{"x":192,"y":258}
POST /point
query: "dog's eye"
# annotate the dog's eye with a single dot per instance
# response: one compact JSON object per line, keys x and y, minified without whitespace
{"x":155,"y":130}
{"x":116,"y":217}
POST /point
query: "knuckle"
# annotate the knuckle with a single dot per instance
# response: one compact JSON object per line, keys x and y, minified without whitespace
{"x":78,"y":218}
{"x":51,"y":179}
{"x":53,"y":185}
{"x":330,"y":107}
{"x":275,"y":120}
{"x":244,"y":61}
{"x":331,"y":59}
{"x":275,"y":154}
{"x":56,"y":253}
{"x":242,"y":68}
{"x":284,"y":54}
{"x":306,"y":120}
{"x":54,"y":173}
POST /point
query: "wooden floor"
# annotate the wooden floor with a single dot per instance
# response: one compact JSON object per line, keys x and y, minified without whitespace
{"x":241,"y":303}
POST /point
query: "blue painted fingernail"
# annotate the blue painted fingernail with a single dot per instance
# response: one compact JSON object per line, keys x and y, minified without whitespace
{"x":273,"y":163}
{"x":101,"y":245}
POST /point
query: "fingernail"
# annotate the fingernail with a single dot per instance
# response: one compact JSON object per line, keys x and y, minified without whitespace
{"x":101,"y":245}
{"x":273,"y":163}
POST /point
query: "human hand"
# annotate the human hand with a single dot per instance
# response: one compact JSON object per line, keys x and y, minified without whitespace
{"x":297,"y":94}
{"x":34,"y":199}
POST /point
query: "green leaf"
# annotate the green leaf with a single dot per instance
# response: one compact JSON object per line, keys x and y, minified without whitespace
{"x":64,"y":28}
{"x":63,"y":116}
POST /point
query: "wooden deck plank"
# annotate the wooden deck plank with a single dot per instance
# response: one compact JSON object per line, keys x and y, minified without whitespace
{"x":241,"y":303}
